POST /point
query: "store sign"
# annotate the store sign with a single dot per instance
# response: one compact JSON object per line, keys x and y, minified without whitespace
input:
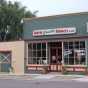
{"x":67,"y":52}
{"x":80,"y":52}
{"x":76,"y":69}
{"x":69,"y":30}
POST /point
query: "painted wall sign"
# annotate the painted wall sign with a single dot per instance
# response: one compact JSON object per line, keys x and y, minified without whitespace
{"x":69,"y":30}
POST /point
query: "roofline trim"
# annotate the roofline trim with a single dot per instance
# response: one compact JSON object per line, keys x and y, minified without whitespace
{"x":67,"y":14}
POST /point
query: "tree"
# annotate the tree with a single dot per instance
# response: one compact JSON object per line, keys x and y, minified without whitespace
{"x":11,"y":15}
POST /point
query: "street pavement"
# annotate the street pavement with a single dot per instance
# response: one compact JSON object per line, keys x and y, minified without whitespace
{"x":42,"y":83}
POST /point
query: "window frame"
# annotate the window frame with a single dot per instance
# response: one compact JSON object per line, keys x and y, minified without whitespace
{"x":64,"y":49}
{"x":39,"y":59}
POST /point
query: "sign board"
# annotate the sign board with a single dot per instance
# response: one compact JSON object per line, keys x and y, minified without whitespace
{"x":80,"y":69}
{"x":76,"y":69}
{"x":80,"y":52}
{"x":69,"y":30}
{"x":67,"y":52}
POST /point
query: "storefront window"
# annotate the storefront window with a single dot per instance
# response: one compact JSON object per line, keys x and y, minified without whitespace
{"x":5,"y":61}
{"x":37,"y":53}
{"x":70,"y":45}
{"x":82,"y":44}
{"x":66,"y":60}
{"x":34,"y":46}
{"x":43,"y":46}
{"x":74,"y":53}
{"x":38,"y":46}
{"x":65,"y":45}
{"x":5,"y":57}
{"x":76,"y":44}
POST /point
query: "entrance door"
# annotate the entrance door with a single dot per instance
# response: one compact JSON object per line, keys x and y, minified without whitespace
{"x":55,"y":58}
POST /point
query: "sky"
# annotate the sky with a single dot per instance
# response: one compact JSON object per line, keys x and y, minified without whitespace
{"x":54,"y":7}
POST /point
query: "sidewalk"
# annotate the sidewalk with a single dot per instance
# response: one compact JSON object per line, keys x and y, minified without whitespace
{"x":49,"y":76}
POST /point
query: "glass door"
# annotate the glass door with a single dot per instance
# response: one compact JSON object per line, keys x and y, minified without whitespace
{"x":53,"y":55}
{"x":56,"y":58}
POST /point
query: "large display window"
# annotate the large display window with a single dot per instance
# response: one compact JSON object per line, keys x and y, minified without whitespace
{"x":37,"y":53}
{"x":74,"y":53}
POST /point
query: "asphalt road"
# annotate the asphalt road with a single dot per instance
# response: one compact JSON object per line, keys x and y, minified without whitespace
{"x":10,"y":83}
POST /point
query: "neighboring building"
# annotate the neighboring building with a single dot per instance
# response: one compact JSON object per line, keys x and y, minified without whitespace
{"x":12,"y":57}
{"x":51,"y":43}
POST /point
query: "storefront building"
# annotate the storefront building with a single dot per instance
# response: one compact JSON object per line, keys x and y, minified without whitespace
{"x":51,"y":44}
{"x":56,"y":42}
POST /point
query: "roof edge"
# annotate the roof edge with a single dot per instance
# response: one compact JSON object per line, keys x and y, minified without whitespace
{"x":67,"y":14}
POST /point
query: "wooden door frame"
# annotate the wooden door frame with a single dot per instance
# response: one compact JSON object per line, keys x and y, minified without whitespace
{"x":56,"y":55}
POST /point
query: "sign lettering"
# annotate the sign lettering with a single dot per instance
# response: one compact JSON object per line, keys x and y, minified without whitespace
{"x":56,"y":31}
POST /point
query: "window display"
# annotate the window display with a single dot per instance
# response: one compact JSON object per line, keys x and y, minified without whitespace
{"x":74,"y":53}
{"x":37,"y":53}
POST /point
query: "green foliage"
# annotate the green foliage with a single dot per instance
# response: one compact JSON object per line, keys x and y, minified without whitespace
{"x":11,"y":15}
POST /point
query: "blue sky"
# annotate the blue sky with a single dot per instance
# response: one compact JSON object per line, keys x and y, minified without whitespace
{"x":55,"y":7}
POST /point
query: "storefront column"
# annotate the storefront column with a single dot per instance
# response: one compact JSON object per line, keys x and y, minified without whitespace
{"x":62,"y":54}
{"x":26,"y":53}
{"x":47,"y":52}
{"x":86,"y":52}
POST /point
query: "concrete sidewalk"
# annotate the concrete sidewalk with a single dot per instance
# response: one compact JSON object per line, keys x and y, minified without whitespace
{"x":49,"y":76}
